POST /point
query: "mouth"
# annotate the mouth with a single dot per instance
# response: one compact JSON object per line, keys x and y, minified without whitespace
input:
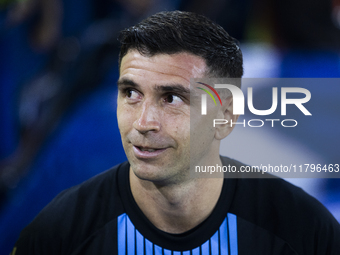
{"x":146,"y":149}
{"x":147,"y":152}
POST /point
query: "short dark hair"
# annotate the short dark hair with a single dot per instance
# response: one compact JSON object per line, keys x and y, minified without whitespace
{"x":177,"y":31}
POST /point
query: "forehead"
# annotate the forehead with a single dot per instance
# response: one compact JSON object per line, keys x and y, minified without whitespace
{"x":180,"y":66}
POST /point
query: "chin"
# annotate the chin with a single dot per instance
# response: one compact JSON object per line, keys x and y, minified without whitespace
{"x":147,"y":173}
{"x":160,"y":175}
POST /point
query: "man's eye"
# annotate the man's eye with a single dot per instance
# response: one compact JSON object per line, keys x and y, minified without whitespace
{"x":131,"y":94}
{"x":172,"y":99}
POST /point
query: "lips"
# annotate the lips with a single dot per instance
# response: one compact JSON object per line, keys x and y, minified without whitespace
{"x":147,"y":152}
{"x":147,"y":149}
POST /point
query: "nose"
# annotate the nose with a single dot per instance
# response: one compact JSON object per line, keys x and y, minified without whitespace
{"x":148,"y":119}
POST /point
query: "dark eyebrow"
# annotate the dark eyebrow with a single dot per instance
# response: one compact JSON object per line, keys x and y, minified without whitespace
{"x":126,"y":82}
{"x":174,"y":88}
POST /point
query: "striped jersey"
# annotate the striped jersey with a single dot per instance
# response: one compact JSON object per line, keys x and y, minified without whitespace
{"x":264,"y":216}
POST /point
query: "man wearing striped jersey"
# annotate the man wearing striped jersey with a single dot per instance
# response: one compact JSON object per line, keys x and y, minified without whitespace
{"x":151,"y":204}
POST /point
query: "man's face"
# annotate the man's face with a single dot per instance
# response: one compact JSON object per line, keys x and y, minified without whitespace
{"x":154,"y":113}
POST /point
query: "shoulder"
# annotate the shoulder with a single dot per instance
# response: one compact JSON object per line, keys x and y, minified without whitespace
{"x":287,"y":212}
{"x":87,"y":195}
{"x":76,"y":212}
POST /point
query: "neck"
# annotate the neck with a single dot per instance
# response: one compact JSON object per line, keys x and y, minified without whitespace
{"x":179,"y":207}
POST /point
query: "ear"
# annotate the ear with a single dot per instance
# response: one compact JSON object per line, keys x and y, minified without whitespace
{"x":225,"y":113}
